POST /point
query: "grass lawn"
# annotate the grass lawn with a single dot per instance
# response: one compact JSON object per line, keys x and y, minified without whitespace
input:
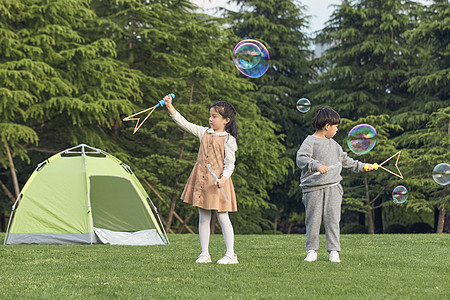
{"x":413,"y":266}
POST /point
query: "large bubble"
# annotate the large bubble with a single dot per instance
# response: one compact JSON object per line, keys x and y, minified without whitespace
{"x":251,"y":58}
{"x":441,"y":174}
{"x":303,"y":105}
{"x":400,"y":194}
{"x":362,"y":138}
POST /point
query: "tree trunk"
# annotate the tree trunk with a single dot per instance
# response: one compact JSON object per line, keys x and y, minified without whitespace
{"x":13,"y":171}
{"x":378,"y":217}
{"x":441,"y":219}
{"x":369,"y":210}
{"x":436,"y":218}
{"x":3,"y":222}
{"x":183,"y":224}
{"x":115,"y":128}
{"x":370,"y":225}
{"x":180,"y":156}
{"x":7,"y":192}
{"x":440,"y":225}
{"x":173,"y":201}
{"x":362,"y":219}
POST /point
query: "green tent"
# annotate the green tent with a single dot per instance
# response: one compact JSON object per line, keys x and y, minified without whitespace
{"x":84,"y":195}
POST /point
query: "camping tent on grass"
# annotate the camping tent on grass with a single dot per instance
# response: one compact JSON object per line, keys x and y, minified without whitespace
{"x":84,"y":195}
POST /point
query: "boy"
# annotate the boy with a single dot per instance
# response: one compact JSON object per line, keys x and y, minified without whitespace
{"x":321,"y":159}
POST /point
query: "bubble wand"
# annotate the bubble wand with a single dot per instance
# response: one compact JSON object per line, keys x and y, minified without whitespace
{"x":376,"y":166}
{"x":216,"y":180}
{"x":151,"y":109}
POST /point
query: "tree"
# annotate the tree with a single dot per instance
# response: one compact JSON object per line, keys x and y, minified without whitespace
{"x":279,"y":25}
{"x":368,"y":192}
{"x":58,"y":86}
{"x":190,"y":55}
{"x":427,"y":118}
{"x":366,"y":65}
{"x":367,"y":59}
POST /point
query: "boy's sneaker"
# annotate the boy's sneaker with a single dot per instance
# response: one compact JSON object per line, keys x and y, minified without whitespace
{"x":228,"y":260}
{"x":311,"y":256}
{"x":203,"y":259}
{"x":334,"y":257}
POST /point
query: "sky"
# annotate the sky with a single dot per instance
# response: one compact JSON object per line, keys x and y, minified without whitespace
{"x":319,"y":10}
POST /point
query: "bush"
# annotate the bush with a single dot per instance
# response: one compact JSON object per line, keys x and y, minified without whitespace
{"x":395,"y":228}
{"x":419,"y":228}
{"x":353,"y":229}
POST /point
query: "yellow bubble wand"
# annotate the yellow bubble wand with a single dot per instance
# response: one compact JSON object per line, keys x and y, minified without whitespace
{"x":376,"y":166}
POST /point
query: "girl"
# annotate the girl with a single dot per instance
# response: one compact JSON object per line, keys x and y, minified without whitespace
{"x":218,"y":145}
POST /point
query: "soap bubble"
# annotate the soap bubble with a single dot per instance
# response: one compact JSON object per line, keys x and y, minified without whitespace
{"x":400,"y":194}
{"x":441,"y":174}
{"x":362,"y":138}
{"x":251,"y":58}
{"x":303,"y":105}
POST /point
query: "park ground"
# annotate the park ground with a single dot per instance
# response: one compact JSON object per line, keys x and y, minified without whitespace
{"x":387,"y":266}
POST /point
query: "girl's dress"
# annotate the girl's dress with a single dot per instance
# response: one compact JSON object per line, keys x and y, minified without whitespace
{"x":200,"y":189}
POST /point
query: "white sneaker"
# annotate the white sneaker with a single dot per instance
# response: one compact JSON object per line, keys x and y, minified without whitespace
{"x":203,"y":259}
{"x":334,"y":257}
{"x":311,"y":256}
{"x":228,"y":260}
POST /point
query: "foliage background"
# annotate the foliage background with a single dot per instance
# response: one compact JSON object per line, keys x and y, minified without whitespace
{"x":70,"y":70}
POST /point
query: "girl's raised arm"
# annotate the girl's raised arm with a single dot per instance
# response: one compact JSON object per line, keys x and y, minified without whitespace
{"x":169,"y":105}
{"x":196,"y":130}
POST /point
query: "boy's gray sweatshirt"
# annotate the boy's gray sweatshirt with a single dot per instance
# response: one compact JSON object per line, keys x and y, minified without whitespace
{"x":316,"y":151}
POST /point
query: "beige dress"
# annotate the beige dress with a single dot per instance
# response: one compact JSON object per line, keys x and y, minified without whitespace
{"x":200,"y":189}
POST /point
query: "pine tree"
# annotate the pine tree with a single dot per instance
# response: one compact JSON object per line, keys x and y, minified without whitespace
{"x":279,"y":25}
{"x":367,"y":59}
{"x":368,"y":192}
{"x":58,"y":86}
{"x":364,"y":70}
{"x":190,"y":55}
{"x":426,"y":119}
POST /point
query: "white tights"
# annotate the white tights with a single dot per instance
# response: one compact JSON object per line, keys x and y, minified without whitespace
{"x":204,"y":230}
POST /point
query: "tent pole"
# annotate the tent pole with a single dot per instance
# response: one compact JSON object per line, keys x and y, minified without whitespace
{"x":88,"y":187}
{"x":13,"y":211}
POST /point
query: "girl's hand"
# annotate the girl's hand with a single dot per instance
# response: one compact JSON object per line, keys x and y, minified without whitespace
{"x":221,"y":181}
{"x":169,"y":105}
{"x":322,"y":169}
{"x":168,"y":100}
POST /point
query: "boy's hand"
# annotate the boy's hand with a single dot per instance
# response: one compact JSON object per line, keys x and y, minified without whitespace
{"x":370,"y":167}
{"x":322,"y":169}
{"x":221,"y":181}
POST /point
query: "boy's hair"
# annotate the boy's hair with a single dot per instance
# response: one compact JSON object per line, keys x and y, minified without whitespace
{"x":325,"y":115}
{"x":226,"y":110}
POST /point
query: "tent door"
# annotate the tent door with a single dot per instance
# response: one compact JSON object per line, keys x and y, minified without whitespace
{"x":118,"y":213}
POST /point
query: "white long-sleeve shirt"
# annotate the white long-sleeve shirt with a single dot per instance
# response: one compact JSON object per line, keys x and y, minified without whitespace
{"x":198,"y":131}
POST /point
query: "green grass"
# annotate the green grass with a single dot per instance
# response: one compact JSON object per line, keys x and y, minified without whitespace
{"x":271,"y":267}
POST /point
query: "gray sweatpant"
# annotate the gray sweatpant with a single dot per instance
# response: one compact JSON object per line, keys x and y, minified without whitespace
{"x":326,"y":202}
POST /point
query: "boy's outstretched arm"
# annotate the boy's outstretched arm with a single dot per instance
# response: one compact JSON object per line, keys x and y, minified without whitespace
{"x":350,"y":163}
